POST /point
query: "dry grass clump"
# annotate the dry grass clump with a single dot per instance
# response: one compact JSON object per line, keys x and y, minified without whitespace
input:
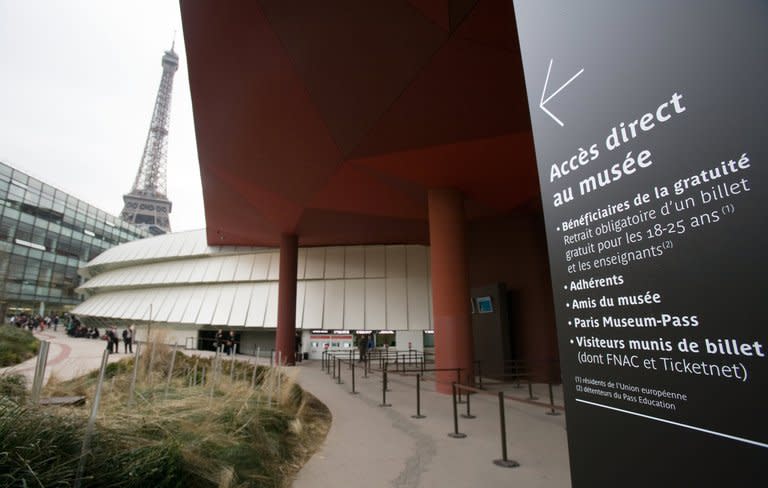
{"x":240,"y":425}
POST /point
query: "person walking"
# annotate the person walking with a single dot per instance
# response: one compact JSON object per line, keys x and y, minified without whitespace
{"x":362,"y":346}
{"x":128,"y":340}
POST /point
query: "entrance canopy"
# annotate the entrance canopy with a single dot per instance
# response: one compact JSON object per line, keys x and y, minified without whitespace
{"x":331,"y":120}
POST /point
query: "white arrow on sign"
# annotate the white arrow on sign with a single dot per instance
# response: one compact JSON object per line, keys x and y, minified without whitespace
{"x":546,"y":81}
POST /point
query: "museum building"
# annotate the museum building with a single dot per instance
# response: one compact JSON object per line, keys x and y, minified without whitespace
{"x":377,"y":126}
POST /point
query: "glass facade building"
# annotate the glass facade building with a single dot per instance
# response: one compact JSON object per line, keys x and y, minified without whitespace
{"x":45,"y":236}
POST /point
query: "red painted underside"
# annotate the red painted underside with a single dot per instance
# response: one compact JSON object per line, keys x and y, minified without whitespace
{"x":332,"y":119}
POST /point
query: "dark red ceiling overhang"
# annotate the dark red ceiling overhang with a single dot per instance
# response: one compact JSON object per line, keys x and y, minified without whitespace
{"x":332,"y":119}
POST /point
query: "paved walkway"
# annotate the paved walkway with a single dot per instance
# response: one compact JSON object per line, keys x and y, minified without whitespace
{"x":375,"y":446}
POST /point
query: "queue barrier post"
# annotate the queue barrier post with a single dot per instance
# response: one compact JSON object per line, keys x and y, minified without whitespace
{"x":353,"y":392}
{"x":418,"y":399}
{"x":384,"y":391}
{"x":504,"y":462}
{"x":552,"y":410}
{"x":468,"y":415}
{"x":530,"y":391}
{"x":455,"y":434}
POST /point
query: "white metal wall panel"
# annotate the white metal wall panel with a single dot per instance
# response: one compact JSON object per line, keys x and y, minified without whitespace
{"x":301,"y":294}
{"x":142,"y":275}
{"x":159,"y":272}
{"x":258,"y":305}
{"x":354,"y":262}
{"x":103,"y":304}
{"x":89,"y":304}
{"x":228,"y":268}
{"x":334,"y":263}
{"x":224,"y":306}
{"x":274,"y":266}
{"x":315,"y":263}
{"x":396,"y":293}
{"x":201,"y":265}
{"x":187,"y":268}
{"x":124,"y":277}
{"x":418,"y":288}
{"x":244,"y":267}
{"x":333,"y":308}
{"x":165,"y":310}
{"x":177,"y":313}
{"x":270,"y":317}
{"x":301,"y":265}
{"x":114,"y":307}
{"x":174,"y":250}
{"x":313,"y":305}
{"x":375,"y":259}
{"x":375,"y":304}
{"x":194,"y":305}
{"x":261,"y":266}
{"x":208,"y":306}
{"x":158,"y":298}
{"x":354,"y":304}
{"x":240,"y":305}
{"x":172,"y":271}
{"x":191,"y":242}
{"x":213,"y":270}
{"x":131,"y":306}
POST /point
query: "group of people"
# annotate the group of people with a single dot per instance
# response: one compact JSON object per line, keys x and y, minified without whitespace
{"x":113,"y":340}
{"x":225,"y":341}
{"x":35,"y":322}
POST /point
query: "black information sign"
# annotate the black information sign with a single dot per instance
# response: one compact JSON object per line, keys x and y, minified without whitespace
{"x":650,"y":121}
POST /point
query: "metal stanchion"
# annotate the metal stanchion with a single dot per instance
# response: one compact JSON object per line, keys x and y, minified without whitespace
{"x":480,"y":375}
{"x":91,"y":421}
{"x":530,"y":391}
{"x":504,"y":461}
{"x":552,"y":410}
{"x":366,"y":365}
{"x":384,"y":391}
{"x":338,"y":378}
{"x":418,"y":399}
{"x":37,"y":383}
{"x":353,"y":379}
{"x":468,"y":415}
{"x":334,"y":367}
{"x":458,"y":382}
{"x":455,"y":434}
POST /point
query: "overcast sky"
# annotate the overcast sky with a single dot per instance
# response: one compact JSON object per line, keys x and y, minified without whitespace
{"x":78,"y":81}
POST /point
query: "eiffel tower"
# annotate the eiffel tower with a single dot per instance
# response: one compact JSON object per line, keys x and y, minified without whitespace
{"x":147,"y":204}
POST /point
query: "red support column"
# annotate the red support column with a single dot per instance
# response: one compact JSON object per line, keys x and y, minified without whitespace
{"x":285,"y":340}
{"x":450,"y":288}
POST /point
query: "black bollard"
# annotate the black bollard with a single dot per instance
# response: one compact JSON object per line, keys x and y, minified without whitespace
{"x":353,"y":379}
{"x":384,"y":391}
{"x":530,"y":391}
{"x":468,"y":415}
{"x":338,"y":378}
{"x":458,"y":382}
{"x":504,"y":461}
{"x":334,"y":368}
{"x":552,"y":403}
{"x":480,"y":374}
{"x":418,"y":399}
{"x":455,"y":434}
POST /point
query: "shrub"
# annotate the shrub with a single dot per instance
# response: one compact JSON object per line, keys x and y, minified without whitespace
{"x":16,"y":345}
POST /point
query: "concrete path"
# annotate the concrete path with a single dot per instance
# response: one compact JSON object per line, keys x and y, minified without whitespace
{"x":375,"y":446}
